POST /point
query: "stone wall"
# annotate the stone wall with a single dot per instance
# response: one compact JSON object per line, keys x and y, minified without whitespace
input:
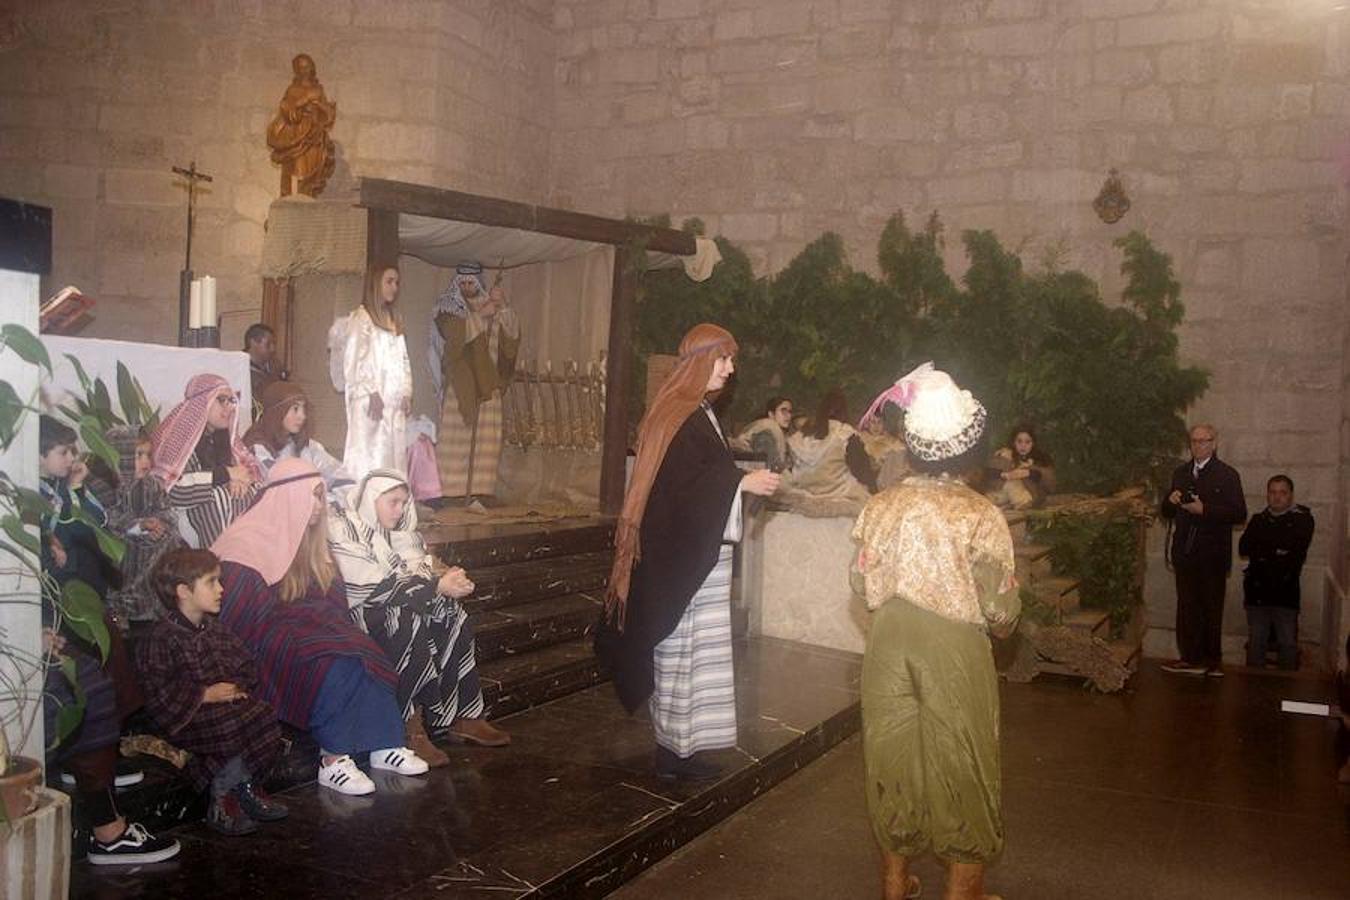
{"x":774,"y":120}
{"x":98,"y":99}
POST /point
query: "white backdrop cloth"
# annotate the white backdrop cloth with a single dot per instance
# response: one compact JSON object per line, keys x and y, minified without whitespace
{"x":162,"y":370}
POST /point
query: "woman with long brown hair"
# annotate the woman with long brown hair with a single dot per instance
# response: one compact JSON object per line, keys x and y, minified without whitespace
{"x":377,"y":377}
{"x":285,"y":599}
{"x":667,"y":631}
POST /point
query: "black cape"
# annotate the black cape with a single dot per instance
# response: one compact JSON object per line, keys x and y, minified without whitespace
{"x":681,"y":534}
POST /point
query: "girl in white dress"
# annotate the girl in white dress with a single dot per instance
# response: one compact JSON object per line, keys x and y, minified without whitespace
{"x":378,"y":379}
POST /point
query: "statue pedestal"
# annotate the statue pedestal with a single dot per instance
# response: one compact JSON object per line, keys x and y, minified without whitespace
{"x":803,"y":590}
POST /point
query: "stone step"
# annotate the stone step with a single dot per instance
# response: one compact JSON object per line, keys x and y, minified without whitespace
{"x":1017,"y":524}
{"x":484,"y":546}
{"x":1033,"y":563}
{"x":1058,"y":592}
{"x":518,"y":629}
{"x":517,"y":682}
{"x":1094,"y":621}
{"x":523,"y":582}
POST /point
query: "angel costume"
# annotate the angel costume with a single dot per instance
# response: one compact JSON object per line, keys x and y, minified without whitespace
{"x":473,"y":357}
{"x":375,"y":361}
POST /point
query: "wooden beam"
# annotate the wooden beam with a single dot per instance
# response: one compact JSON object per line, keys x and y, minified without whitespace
{"x":278,"y":313}
{"x":618,"y":384}
{"x":381,"y":238}
{"x":400,"y":197}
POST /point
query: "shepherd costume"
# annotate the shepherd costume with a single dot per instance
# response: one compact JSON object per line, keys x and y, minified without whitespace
{"x":191,"y":461}
{"x":935,"y":565}
{"x":136,"y":499}
{"x":177,"y":662}
{"x":473,"y":357}
{"x":392,"y":591}
{"x":314,"y":667}
{"x":667,"y":634}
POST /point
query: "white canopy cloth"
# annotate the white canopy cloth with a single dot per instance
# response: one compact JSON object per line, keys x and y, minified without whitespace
{"x":448,"y":243}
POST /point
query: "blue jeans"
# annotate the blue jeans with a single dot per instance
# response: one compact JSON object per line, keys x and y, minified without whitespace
{"x":1260,"y":620}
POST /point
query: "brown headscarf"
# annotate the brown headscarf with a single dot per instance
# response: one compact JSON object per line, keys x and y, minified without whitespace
{"x":270,"y":429}
{"x":681,"y":394}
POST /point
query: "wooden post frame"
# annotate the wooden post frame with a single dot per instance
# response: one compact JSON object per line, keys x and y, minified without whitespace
{"x":385,"y":200}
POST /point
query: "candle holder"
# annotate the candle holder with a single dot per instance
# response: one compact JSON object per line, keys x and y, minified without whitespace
{"x":184,"y":300}
{"x":210,"y":336}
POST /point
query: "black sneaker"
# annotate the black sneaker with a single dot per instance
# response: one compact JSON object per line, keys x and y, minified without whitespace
{"x":227,"y":817}
{"x":258,"y":804}
{"x":136,"y":846}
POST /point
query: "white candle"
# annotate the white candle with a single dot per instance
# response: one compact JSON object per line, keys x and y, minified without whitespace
{"x":209,"y":301}
{"x":195,"y":304}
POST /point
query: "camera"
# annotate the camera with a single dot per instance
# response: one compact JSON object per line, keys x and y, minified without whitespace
{"x":1189,"y":496}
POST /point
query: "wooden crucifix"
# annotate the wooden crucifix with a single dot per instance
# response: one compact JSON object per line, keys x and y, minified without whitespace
{"x":192,"y":176}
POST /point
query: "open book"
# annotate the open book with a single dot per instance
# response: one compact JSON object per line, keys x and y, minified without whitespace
{"x":62,"y":311}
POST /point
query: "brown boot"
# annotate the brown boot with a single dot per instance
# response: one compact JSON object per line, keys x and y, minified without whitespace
{"x":420,"y":743}
{"x":965,"y":881}
{"x":478,"y":731}
{"x":896,"y":882}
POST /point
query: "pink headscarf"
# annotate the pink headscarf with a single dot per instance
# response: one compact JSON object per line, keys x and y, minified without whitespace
{"x":267,"y":537}
{"x":177,"y":436}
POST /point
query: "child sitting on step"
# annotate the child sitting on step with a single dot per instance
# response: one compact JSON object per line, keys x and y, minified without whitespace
{"x":198,"y":680}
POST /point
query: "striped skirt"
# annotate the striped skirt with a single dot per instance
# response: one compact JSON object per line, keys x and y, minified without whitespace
{"x":694,"y":705}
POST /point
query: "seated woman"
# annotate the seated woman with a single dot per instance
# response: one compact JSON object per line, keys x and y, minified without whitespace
{"x":209,"y":475}
{"x":1021,"y":473}
{"x":282,"y":432}
{"x":283,"y":598}
{"x":396,"y":596}
{"x":830,"y":462}
{"x":769,"y":434}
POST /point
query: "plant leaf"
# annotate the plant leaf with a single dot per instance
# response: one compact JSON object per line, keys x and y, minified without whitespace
{"x":127,"y":395}
{"x":83,"y":610}
{"x":80,"y":372}
{"x":11,"y":413}
{"x":91,"y":431}
{"x":112,"y":546}
{"x":13,"y":527}
{"x":26,"y":344}
{"x":32,"y":505}
{"x":21,"y":556}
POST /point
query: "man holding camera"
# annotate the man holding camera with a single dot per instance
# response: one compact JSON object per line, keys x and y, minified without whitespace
{"x":1275,"y":546}
{"x":1205,"y":501}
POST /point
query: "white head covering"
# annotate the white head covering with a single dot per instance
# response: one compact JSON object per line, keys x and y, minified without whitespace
{"x":942,"y":420}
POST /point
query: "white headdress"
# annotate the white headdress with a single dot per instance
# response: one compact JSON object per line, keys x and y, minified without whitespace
{"x":941,"y":420}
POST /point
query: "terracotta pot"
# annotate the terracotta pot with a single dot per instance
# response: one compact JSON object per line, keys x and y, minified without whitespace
{"x":19,"y":787}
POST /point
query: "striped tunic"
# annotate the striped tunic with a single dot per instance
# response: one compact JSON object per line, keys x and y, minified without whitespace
{"x":204,"y":507}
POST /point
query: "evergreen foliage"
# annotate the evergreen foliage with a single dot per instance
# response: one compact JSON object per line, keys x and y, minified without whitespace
{"x":1102,"y":383}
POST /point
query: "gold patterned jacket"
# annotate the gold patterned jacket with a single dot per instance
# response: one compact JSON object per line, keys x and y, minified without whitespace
{"x":942,"y":547}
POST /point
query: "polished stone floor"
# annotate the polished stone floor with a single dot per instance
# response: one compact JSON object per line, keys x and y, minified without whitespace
{"x":1178,"y":788}
{"x":571,"y":804}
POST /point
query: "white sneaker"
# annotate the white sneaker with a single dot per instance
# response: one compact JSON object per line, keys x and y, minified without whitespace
{"x":400,"y":760}
{"x":343,"y":776}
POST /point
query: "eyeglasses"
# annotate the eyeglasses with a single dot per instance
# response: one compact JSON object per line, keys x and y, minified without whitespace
{"x":1202,"y":440}
{"x":228,"y":401}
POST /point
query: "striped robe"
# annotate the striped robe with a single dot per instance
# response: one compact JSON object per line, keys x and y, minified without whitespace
{"x":205,"y":507}
{"x":427,"y":637}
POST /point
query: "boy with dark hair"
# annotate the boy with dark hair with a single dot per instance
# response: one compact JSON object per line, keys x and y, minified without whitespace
{"x":70,"y":552}
{"x":198,"y":680}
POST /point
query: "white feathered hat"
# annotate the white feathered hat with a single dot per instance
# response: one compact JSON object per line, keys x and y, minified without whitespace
{"x":941,"y":419}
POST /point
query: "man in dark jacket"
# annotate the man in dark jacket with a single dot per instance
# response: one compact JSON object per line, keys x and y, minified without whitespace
{"x":1206,"y":501}
{"x":1275,"y":544}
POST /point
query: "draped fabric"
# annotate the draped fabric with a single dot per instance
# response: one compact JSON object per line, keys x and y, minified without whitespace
{"x":296,"y":643}
{"x":820,"y":467}
{"x":391,"y":588}
{"x":375,"y":362}
{"x":682,"y":530}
